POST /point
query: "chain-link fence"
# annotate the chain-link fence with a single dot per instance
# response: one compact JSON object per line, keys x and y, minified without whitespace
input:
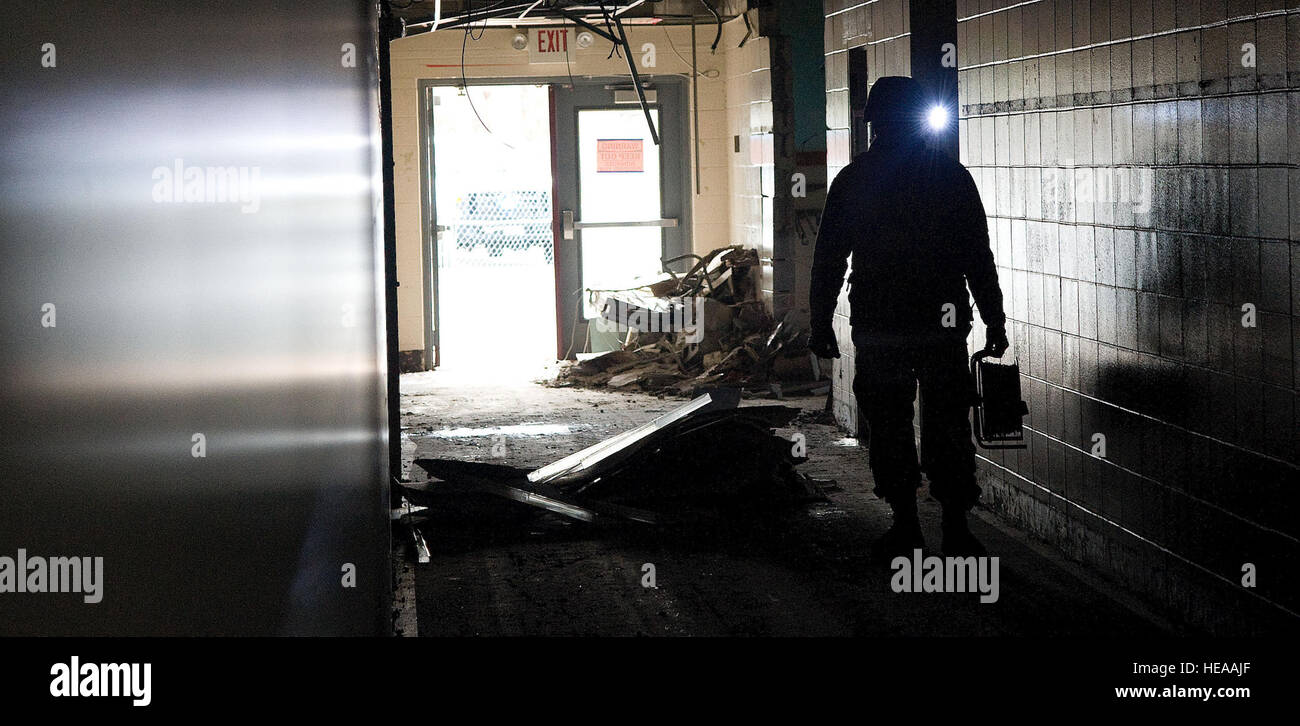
{"x":499,"y":228}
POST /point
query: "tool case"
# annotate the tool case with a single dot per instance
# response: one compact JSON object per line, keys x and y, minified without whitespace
{"x":999,"y":410}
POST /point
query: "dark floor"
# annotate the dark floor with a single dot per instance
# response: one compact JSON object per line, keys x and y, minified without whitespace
{"x":801,"y":571}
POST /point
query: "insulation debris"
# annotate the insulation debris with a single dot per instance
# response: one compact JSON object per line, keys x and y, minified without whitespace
{"x":706,"y":454}
{"x":707,"y":328}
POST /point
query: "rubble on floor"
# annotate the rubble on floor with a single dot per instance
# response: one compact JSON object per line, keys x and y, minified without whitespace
{"x":706,"y":329}
{"x":707,"y":455}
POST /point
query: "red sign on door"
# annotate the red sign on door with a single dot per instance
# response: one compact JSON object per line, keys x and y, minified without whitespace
{"x":620,"y":155}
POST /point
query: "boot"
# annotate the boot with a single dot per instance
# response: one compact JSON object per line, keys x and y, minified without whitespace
{"x":957,"y":538}
{"x":903,"y":536}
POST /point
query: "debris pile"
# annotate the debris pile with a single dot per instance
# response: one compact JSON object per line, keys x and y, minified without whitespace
{"x":698,"y":331}
{"x":707,"y":454}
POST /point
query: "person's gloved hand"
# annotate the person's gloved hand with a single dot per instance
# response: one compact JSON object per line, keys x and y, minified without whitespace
{"x":823,"y":344}
{"x":995,"y":340}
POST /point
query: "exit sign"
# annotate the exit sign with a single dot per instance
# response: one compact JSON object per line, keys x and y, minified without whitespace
{"x":549,"y":45}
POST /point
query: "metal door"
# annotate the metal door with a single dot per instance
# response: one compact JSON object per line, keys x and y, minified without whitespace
{"x":621,"y":199}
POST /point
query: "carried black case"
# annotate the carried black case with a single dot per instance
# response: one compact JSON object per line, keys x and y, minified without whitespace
{"x":999,"y":409}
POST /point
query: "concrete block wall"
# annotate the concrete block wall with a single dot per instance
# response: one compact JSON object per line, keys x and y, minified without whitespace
{"x":1142,"y":178}
{"x":750,"y":119}
{"x":882,"y":29}
{"x":760,"y":92}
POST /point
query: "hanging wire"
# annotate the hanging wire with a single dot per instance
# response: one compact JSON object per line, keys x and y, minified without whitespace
{"x":710,"y":73}
{"x":568,"y":67}
{"x":464,"y":85}
{"x":718,"y":38}
{"x":609,"y":28}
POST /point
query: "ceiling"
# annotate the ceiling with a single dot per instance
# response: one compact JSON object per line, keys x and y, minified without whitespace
{"x":547,"y":12}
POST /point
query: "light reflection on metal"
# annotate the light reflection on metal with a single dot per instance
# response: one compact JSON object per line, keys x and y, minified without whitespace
{"x":237,"y":304}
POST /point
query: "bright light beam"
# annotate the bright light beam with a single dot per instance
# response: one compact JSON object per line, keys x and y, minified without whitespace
{"x":937,"y":118}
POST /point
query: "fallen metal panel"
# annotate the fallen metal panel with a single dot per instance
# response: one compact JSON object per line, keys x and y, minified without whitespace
{"x":532,"y":499}
{"x":434,"y":492}
{"x":774,"y":416}
{"x":454,"y":469}
{"x":582,"y":460}
{"x":422,"y":554}
{"x":462,"y":477}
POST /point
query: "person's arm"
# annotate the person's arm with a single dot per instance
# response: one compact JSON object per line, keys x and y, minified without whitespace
{"x":980,"y":270}
{"x":830,"y":262}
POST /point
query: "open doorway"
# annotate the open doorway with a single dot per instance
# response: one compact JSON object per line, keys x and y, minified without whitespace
{"x":543,"y":197}
{"x":494,"y":265}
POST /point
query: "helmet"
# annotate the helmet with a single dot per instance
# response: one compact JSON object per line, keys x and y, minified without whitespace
{"x":895,"y":97}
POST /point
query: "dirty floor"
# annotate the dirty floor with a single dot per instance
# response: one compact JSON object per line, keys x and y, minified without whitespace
{"x":793,"y":572}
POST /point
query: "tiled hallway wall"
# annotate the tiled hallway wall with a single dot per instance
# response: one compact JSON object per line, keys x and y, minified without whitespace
{"x":881,"y":29}
{"x":1140,"y":167}
{"x":1141,"y":177}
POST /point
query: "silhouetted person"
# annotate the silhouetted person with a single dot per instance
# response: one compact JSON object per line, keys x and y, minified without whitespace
{"x":912,"y":219}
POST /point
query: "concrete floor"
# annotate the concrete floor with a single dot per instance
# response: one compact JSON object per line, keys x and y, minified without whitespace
{"x":801,"y":571}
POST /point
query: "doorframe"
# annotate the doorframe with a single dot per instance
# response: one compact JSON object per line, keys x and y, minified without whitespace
{"x":432,"y":312}
{"x":429,"y":236}
{"x":567,"y":306}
